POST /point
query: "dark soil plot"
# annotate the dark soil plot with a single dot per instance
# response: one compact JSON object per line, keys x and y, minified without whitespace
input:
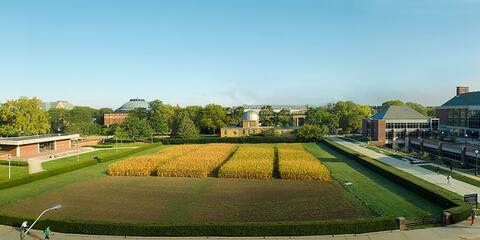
{"x":187,"y":200}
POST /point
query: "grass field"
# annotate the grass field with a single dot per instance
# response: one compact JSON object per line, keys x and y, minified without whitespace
{"x":191,"y":200}
{"x":16,"y":172}
{"x":90,"y":194}
{"x":85,"y":157}
{"x":381,"y":195}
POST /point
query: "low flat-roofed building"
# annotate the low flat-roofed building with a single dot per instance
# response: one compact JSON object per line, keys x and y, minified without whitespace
{"x":251,"y":126}
{"x":38,"y":145}
{"x":394,"y":124}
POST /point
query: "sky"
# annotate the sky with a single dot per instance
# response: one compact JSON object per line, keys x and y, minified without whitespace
{"x":101,"y":53}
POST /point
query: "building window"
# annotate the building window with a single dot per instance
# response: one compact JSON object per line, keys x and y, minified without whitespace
{"x":46,"y":146}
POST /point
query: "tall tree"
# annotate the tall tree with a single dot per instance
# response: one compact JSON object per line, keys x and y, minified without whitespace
{"x":417,"y":107}
{"x":137,"y":128}
{"x":213,"y":118}
{"x":160,"y":116}
{"x":350,"y":115}
{"x":81,"y":120}
{"x":282,"y":118}
{"x":235,"y":118}
{"x":57,"y":118}
{"x":267,"y":115}
{"x":183,"y":126}
{"x":23,"y":117}
{"x":322,"y":116}
{"x":195,"y":113}
{"x":312,"y":132}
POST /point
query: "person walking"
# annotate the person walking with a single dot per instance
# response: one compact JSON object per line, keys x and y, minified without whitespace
{"x":46,"y":231}
{"x":449,"y":178}
{"x":23,"y":228}
{"x":473,"y":216}
{"x":438,"y":170}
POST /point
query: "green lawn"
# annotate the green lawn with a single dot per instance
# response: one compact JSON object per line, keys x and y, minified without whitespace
{"x":85,"y":157}
{"x":11,"y":195}
{"x":456,"y":176}
{"x":381,"y":195}
{"x":119,"y":144}
{"x":16,"y":172}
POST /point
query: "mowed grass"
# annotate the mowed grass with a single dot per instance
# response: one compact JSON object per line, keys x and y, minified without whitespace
{"x":250,"y":161}
{"x":381,"y":195}
{"x":168,"y":200}
{"x":85,"y":157}
{"x":16,"y":172}
{"x":29,"y":190}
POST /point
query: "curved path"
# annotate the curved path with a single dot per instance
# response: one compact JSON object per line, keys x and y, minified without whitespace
{"x":427,"y":175}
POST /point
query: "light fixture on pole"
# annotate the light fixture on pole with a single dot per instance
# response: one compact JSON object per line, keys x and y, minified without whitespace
{"x":476,"y":162}
{"x":54,"y":207}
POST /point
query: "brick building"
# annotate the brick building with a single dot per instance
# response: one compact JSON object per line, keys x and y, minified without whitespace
{"x":118,"y":117}
{"x":33,"y":146}
{"x":391,"y":126}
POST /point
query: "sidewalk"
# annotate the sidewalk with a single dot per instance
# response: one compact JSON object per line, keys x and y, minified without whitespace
{"x":432,"y":177}
{"x":461,"y":230}
{"x":35,"y":164}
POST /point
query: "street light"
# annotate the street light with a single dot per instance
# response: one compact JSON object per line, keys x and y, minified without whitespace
{"x":9,"y":166}
{"x":476,"y":162}
{"x":55,"y":207}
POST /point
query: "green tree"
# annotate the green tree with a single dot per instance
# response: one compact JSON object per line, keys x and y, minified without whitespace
{"x":81,"y":120}
{"x":183,"y":126}
{"x":213,"y":118}
{"x":350,"y":115}
{"x":23,"y":117}
{"x":267,"y":115}
{"x":195,"y":113}
{"x":321,"y":116}
{"x":57,"y":118}
{"x":282,"y":118}
{"x":137,"y":128}
{"x":394,"y":102}
{"x":160,"y":116}
{"x":431,"y":112}
{"x":417,"y":107}
{"x":235,"y":118}
{"x":99,"y":115}
{"x":312,"y":132}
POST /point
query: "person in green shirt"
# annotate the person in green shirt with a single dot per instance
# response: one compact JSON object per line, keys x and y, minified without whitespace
{"x":46,"y":231}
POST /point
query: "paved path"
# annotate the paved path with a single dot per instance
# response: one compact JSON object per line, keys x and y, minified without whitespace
{"x":432,"y":177}
{"x":461,"y":230}
{"x":35,"y":164}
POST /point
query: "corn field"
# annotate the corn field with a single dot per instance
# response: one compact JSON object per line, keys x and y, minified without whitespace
{"x":147,"y":165}
{"x":199,"y":163}
{"x":295,"y":163}
{"x":251,"y":161}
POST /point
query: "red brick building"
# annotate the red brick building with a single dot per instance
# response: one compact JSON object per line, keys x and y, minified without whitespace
{"x":118,"y":117}
{"x":33,"y":146}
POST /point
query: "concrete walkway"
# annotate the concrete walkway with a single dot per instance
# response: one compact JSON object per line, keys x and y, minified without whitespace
{"x":432,"y":177}
{"x":35,"y":164}
{"x":461,"y":230}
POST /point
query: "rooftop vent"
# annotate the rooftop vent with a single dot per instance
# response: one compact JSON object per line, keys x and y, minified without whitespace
{"x":462,"y":90}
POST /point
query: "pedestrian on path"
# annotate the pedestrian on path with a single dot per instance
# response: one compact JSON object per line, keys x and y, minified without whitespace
{"x":438,"y":170}
{"x":449,"y":178}
{"x":473,"y":215}
{"x":451,"y":168}
{"x":46,"y":231}
{"x":24,"y":226}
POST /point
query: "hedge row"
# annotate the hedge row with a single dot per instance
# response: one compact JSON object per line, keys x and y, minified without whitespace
{"x":45,"y":174}
{"x":14,"y":163}
{"x":254,"y":139}
{"x":50,"y":173}
{"x":451,"y":202}
{"x":228,"y":229}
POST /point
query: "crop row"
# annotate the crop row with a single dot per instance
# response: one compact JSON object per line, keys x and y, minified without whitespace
{"x":199,"y":163}
{"x":297,"y":164}
{"x":147,"y":165}
{"x":251,"y":161}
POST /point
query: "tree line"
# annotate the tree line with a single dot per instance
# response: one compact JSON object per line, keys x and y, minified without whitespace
{"x":23,"y":117}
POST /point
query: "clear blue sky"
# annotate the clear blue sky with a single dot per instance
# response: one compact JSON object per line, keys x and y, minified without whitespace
{"x":101,"y":53}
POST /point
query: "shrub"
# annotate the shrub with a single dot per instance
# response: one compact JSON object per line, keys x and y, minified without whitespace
{"x":251,"y":162}
{"x":296,"y":163}
{"x":14,"y":163}
{"x":312,"y":132}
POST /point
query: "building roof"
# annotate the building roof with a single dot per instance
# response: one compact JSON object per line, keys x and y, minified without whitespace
{"x":16,"y":141}
{"x":133,"y":104}
{"x":250,"y":116}
{"x":398,"y":112}
{"x":61,"y":104}
{"x":464,"y":99}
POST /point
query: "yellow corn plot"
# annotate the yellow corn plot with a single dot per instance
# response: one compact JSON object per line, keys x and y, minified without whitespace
{"x":251,"y":161}
{"x":199,"y":163}
{"x":296,"y":163}
{"x":146,"y":165}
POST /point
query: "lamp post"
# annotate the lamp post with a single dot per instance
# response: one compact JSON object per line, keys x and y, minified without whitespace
{"x":55,"y":207}
{"x":9,"y":166}
{"x":476,"y":162}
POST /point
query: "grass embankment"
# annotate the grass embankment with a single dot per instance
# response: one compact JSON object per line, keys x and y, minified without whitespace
{"x":16,"y":172}
{"x":120,"y":145}
{"x":454,"y":175}
{"x":84,"y":157}
{"x":381,"y":195}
